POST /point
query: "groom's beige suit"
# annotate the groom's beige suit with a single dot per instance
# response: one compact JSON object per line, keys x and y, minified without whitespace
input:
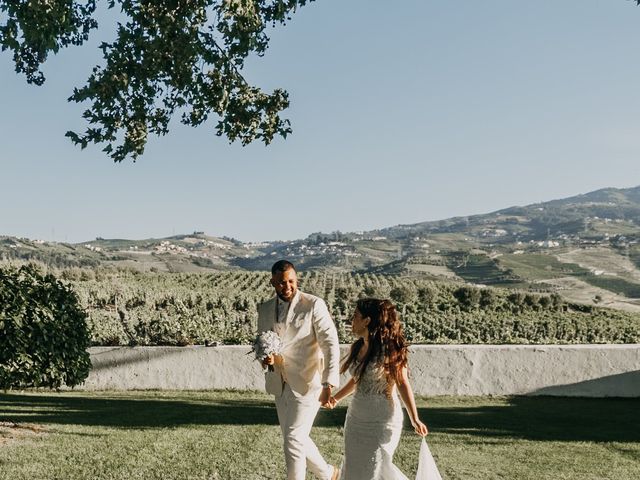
{"x":311,"y":357}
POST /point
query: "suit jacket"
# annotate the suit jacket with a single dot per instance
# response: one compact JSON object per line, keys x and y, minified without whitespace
{"x":310,"y":349}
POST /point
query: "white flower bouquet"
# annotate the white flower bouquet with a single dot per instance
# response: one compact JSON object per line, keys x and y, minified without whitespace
{"x":267,"y":343}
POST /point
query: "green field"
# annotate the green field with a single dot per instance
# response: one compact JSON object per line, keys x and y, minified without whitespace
{"x":234,"y":435}
{"x":614,"y":284}
{"x":479,"y":269}
{"x":539,"y":266}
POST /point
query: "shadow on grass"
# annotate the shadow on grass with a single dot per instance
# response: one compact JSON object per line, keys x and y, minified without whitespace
{"x":531,"y":418}
{"x":543,"y":418}
{"x":133,"y":412}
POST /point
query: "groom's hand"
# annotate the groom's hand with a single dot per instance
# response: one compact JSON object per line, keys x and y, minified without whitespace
{"x":273,"y":359}
{"x":269,"y":360}
{"x":325,"y":396}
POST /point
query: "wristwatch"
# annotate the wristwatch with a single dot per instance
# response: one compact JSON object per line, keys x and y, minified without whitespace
{"x":326,"y":385}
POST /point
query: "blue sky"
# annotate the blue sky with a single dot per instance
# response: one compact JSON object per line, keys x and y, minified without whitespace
{"x":402,"y":112}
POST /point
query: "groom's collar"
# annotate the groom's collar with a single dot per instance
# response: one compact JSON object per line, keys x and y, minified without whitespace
{"x":293,"y":301}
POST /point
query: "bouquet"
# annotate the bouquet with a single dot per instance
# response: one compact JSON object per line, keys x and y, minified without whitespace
{"x":267,"y":343}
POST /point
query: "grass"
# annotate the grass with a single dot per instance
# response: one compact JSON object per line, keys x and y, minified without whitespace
{"x":540,"y":267}
{"x":234,"y":435}
{"x":614,"y":284}
{"x":479,"y":269}
{"x":537,"y":266}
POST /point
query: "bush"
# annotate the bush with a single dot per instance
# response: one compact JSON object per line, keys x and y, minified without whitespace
{"x":43,"y":331}
{"x":488,"y":298}
{"x":468,"y":297}
{"x":403,"y":294}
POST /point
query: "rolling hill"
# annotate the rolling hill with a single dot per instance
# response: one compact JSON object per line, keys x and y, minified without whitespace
{"x":586,"y":247}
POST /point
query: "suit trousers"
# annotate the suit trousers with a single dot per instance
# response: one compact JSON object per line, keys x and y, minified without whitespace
{"x":296,"y":416}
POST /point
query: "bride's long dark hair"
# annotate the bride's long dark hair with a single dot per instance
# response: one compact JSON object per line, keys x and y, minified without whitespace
{"x":387,"y":344}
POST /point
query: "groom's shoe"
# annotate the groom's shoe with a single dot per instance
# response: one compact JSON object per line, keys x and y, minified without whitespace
{"x":336,"y":473}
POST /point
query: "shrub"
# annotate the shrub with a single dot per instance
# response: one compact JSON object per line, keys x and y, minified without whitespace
{"x":403,"y":294}
{"x":468,"y":297}
{"x":488,"y":298}
{"x":43,"y":331}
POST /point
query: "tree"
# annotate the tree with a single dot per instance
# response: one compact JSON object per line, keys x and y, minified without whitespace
{"x":43,"y":331}
{"x":468,"y":297}
{"x":171,"y":57}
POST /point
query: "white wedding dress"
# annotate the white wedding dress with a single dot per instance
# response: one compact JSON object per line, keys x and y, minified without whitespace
{"x":372,"y":429}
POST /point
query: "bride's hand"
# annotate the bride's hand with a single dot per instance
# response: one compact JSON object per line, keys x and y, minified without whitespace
{"x":332,"y":403}
{"x":420,"y":428}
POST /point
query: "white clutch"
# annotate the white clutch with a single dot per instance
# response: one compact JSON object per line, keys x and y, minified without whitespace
{"x":427,"y":469}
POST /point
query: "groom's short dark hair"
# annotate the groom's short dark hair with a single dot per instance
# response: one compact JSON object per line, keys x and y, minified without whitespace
{"x":281,"y":266}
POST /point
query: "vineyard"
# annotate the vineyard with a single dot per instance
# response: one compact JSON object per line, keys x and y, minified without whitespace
{"x":127,"y":307}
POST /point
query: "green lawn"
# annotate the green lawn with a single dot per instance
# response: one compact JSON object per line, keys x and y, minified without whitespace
{"x":234,"y":435}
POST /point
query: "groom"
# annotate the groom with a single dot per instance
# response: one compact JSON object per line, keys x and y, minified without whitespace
{"x":305,"y":372}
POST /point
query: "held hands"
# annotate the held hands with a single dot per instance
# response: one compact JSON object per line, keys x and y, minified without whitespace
{"x":325,"y":397}
{"x":331,"y":404}
{"x":419,"y":427}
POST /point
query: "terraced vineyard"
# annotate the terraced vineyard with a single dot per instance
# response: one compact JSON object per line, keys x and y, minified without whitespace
{"x":127,"y":307}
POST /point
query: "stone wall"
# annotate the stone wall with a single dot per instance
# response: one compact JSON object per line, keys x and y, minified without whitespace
{"x":564,"y":370}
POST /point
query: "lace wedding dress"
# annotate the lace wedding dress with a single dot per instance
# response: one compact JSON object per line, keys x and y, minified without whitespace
{"x":372,"y":429}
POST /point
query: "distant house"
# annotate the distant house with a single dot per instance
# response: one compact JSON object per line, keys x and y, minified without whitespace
{"x":548,"y":244}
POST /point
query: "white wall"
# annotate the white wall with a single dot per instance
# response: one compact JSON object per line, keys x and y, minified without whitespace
{"x":566,"y":370}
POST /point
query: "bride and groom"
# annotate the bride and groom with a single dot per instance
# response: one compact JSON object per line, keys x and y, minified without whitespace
{"x":307,"y":370}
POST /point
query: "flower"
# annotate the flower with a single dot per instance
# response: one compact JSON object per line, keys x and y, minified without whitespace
{"x":267,"y":343}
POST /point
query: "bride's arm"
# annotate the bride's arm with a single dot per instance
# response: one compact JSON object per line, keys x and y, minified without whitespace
{"x":406,"y":393}
{"x":343,"y":392}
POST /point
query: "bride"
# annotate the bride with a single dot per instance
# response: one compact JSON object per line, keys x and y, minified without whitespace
{"x":377,"y":363}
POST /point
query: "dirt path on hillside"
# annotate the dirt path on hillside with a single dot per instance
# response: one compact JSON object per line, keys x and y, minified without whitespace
{"x":602,"y":261}
{"x":578,"y":291}
{"x":435,"y":270}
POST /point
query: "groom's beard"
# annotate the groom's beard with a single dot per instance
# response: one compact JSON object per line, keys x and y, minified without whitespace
{"x":285,"y":299}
